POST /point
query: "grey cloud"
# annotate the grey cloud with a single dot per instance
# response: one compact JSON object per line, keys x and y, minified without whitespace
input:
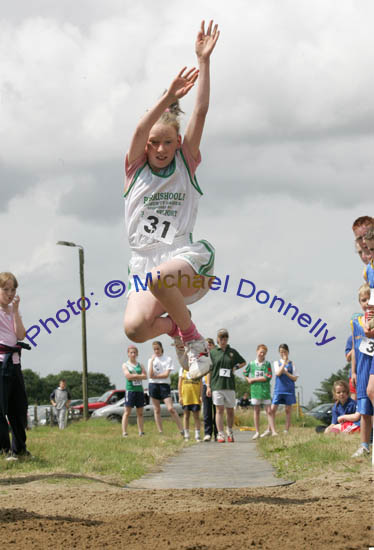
{"x":13,"y":182}
{"x":97,"y":194}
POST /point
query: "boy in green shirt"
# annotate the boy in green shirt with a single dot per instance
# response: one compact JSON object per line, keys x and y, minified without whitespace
{"x":258,"y":374}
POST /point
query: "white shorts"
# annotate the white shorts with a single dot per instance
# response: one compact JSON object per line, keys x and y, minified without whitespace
{"x":199,"y":255}
{"x":224,"y":397}
{"x":260,"y":401}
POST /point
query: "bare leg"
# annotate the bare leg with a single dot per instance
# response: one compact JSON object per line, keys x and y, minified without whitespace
{"x":230,"y":413}
{"x":219,"y":417}
{"x":125,"y":419}
{"x":168,"y":402}
{"x":196,"y":417}
{"x":256,"y":418}
{"x":370,"y":388}
{"x":273,"y":412}
{"x":140,"y":419}
{"x":271,"y":425}
{"x":186,"y":419}
{"x":157,"y":413}
{"x":365,"y":430}
{"x":288,"y":417}
{"x":143,"y":319}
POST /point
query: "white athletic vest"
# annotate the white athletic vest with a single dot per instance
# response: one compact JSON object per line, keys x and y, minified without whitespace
{"x":166,"y":204}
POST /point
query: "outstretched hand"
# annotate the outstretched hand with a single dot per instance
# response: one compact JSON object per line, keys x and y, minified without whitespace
{"x":206,"y":41}
{"x":183,"y":83}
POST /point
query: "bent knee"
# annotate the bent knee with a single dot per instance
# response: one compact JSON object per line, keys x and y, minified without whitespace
{"x":135,"y":332}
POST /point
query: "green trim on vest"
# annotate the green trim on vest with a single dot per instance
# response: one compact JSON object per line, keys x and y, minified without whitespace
{"x":135,"y":178}
{"x":193,"y":180}
{"x":204,"y":269}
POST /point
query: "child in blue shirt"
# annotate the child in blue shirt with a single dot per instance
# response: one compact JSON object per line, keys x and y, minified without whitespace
{"x":284,"y":390}
{"x":361,"y":363}
{"x":345,"y":417}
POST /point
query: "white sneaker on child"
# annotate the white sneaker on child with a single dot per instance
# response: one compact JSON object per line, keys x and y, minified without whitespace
{"x":256,"y":436}
{"x":361,"y":451}
{"x":181,"y":353}
{"x":198,"y":358}
{"x":266,"y":433}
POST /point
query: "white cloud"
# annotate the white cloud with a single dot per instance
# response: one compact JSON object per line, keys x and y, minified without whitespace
{"x":287,"y":161}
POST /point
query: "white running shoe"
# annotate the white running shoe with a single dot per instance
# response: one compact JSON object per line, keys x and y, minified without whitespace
{"x":207,"y":437}
{"x":266,"y":433}
{"x":181,"y":353}
{"x":256,"y":436}
{"x":361,"y":451}
{"x":198,"y":358}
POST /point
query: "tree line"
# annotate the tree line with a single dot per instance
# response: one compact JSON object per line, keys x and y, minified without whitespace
{"x":39,"y":388}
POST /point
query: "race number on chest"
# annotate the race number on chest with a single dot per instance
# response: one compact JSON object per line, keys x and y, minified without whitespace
{"x":367,"y":346}
{"x":157,"y":226}
{"x":226,"y":373}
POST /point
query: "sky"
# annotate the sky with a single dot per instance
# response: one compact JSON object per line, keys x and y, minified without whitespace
{"x":287,"y":166}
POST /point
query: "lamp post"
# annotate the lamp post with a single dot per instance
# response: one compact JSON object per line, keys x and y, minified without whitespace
{"x":302,"y":392}
{"x":84,"y":333}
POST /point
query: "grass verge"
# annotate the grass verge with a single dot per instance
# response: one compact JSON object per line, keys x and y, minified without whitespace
{"x":302,"y":453}
{"x":96,"y":449}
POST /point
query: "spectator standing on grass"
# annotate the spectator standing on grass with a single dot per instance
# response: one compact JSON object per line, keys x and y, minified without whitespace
{"x":284,"y":390}
{"x":348,"y":356}
{"x":209,"y":410}
{"x":361,"y":365}
{"x":159,"y":369}
{"x":221,"y":383}
{"x":13,"y":399}
{"x":60,"y":399}
{"x":134,"y":373}
{"x":258,"y":375}
{"x":190,"y":392}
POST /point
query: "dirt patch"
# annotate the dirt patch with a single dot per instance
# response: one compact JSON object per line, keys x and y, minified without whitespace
{"x":330,"y":512}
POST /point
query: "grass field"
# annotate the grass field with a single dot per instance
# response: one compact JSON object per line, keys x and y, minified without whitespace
{"x":96,"y":449}
{"x":303,"y":453}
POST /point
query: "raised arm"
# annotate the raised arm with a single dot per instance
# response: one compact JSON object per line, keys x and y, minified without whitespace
{"x":204,"y":46}
{"x":180,"y":86}
{"x":19,"y":329}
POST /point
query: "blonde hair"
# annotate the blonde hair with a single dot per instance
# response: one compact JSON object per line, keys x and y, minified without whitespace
{"x":5,"y":276}
{"x":171,"y":115}
{"x":364,"y":290}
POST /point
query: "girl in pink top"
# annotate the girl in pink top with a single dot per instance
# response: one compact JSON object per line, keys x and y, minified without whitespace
{"x":13,"y":400}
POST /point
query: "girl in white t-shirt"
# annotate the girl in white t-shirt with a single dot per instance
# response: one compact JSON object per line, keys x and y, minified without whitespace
{"x":159,"y":369}
{"x":167,"y":269}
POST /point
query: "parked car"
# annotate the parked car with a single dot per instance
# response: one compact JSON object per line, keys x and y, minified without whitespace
{"x":115,"y":412}
{"x":93,"y":399}
{"x":110,"y":397}
{"x":75,"y":402}
{"x":322,"y":412}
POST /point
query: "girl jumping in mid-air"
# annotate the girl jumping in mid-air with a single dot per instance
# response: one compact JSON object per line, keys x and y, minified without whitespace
{"x":167,"y":268}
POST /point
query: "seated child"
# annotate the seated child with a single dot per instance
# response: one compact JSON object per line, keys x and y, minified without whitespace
{"x":345,"y":417}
